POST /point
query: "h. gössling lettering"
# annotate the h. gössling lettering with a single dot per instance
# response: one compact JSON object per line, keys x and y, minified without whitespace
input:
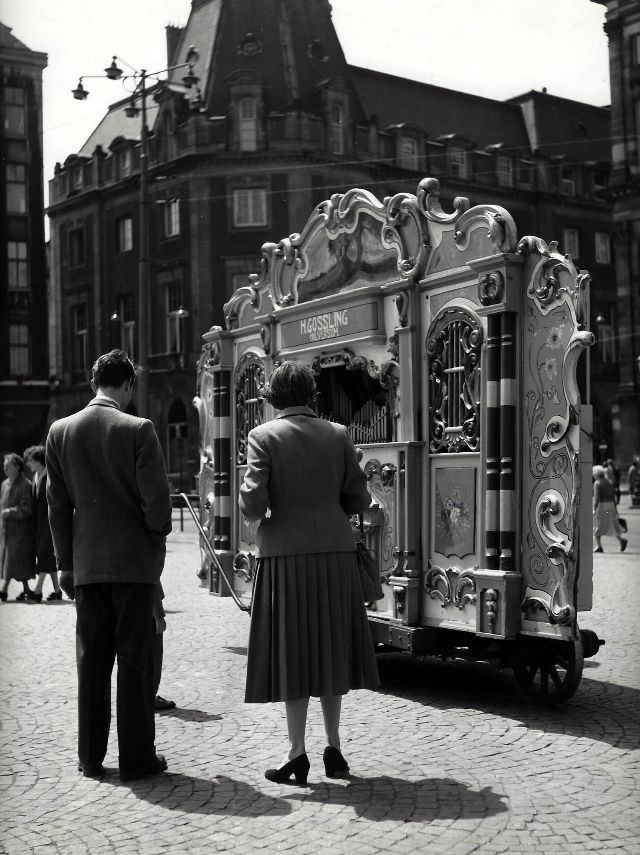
{"x":327,"y":325}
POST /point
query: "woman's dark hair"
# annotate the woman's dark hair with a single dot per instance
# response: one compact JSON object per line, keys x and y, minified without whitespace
{"x":14,"y":458}
{"x":292,"y":384}
{"x":113,"y":369}
{"x":35,"y":452}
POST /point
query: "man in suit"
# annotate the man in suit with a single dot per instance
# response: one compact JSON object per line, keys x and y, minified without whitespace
{"x":34,"y":457}
{"x":110,"y":513}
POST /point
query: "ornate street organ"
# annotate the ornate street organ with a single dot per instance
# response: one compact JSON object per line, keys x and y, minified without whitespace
{"x":449,"y":348}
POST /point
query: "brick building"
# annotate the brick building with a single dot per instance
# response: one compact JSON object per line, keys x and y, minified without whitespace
{"x":623,"y":29}
{"x":278,"y":122}
{"x":24,"y":356}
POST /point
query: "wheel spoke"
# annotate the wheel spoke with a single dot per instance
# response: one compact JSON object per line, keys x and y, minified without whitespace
{"x":544,"y":679}
{"x":555,"y":677}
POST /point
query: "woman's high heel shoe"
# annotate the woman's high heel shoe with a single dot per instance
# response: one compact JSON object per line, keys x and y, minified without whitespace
{"x":335,"y":765}
{"x":299,"y":767}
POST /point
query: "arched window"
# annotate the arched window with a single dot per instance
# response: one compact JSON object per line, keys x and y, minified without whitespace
{"x":248,"y":124}
{"x":453,"y":351}
{"x":337,"y":129}
{"x":177,"y":439}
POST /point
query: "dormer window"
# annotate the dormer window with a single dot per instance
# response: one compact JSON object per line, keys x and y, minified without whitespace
{"x":248,"y":124}
{"x":504,"y":171}
{"x":337,"y":128}
{"x":408,"y":154}
{"x":458,"y":162}
{"x":568,"y":182}
{"x":77,"y":178}
{"x":123,"y":160}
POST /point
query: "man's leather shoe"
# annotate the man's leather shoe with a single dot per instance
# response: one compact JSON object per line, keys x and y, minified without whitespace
{"x":91,"y":771}
{"x":161,"y":703}
{"x":153,"y":767}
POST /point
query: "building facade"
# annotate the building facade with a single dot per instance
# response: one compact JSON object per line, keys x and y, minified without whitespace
{"x":24,"y":356}
{"x":278,"y":122}
{"x":622,"y":27}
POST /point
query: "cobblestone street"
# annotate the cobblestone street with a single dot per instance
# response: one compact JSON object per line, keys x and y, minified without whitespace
{"x":446,"y":757}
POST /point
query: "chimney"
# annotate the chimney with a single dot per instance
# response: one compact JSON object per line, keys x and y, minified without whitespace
{"x":173,"y":37}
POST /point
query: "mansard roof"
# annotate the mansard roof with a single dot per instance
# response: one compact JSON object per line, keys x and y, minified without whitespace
{"x":441,"y":112}
{"x":290,"y":44}
{"x":562,"y":126}
{"x":117,"y":124}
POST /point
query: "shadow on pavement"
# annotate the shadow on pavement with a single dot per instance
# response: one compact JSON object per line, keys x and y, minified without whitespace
{"x":186,"y":714}
{"x":241,"y":651}
{"x":425,"y":800}
{"x":188,"y":794}
{"x":602,"y":711}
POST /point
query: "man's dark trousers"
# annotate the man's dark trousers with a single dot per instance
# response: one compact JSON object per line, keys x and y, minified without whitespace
{"x":113,"y":620}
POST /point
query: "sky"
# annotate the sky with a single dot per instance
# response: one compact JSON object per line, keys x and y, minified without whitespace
{"x":494,"y":48}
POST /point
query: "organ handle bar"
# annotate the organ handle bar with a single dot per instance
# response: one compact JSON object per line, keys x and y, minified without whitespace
{"x":242,"y":606}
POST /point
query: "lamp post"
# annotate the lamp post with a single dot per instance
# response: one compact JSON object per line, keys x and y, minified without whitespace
{"x":139,"y":93}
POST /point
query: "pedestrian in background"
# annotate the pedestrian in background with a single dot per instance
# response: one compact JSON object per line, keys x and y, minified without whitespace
{"x":309,"y":633}
{"x":633,"y":479}
{"x":110,"y":513}
{"x":17,"y":539}
{"x":45,"y":559}
{"x":613,"y":474}
{"x":605,"y":514}
{"x":159,"y":625}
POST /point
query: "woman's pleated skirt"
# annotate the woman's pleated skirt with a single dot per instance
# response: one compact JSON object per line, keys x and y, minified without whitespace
{"x":309,"y":632}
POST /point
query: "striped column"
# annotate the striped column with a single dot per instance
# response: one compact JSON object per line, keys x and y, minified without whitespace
{"x":492,"y":505}
{"x":507,"y":440}
{"x":222,"y":460}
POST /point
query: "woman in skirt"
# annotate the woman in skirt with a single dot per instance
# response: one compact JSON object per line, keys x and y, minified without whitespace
{"x":605,"y":513}
{"x":309,"y":633}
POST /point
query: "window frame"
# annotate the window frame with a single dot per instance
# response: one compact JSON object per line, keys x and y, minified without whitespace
{"x":77,"y":249}
{"x":12,"y":182}
{"x":79,"y":338}
{"x":504,"y":170}
{"x":458,"y":161}
{"x":409,"y":159}
{"x":175,"y":314}
{"x":17,"y":106}
{"x":252,"y":193}
{"x":17,"y":266}
{"x":19,"y":351}
{"x":171,"y":218}
{"x":571,"y":235}
{"x":336,"y":128}
{"x":247,"y":125}
{"x":124,"y":234}
{"x":602,"y":247}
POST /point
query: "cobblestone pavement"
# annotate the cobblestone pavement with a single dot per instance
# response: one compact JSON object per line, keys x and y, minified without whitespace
{"x":447,"y":758}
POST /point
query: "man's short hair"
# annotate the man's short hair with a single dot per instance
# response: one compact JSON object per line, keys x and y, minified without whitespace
{"x":35,"y":452}
{"x":113,"y":369}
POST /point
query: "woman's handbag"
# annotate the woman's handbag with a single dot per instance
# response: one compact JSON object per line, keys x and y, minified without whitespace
{"x":368,"y":569}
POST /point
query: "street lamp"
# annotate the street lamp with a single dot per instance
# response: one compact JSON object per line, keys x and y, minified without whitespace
{"x":139,"y":94}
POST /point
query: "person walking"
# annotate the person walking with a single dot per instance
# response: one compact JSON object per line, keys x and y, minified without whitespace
{"x":309,"y":634}
{"x":17,"y":537}
{"x":110,"y":513}
{"x":45,"y":559}
{"x":605,"y":514}
{"x":633,"y":478}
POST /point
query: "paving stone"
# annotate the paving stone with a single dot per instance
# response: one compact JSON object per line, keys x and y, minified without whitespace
{"x":447,"y":757}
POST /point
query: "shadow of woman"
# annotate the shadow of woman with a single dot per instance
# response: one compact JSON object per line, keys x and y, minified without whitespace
{"x":188,"y":794}
{"x":425,"y":800}
{"x":589,"y":713}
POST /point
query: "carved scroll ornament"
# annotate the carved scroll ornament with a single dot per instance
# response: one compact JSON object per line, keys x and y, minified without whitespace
{"x":286,"y":263}
{"x":555,"y":314}
{"x":451,"y":585}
